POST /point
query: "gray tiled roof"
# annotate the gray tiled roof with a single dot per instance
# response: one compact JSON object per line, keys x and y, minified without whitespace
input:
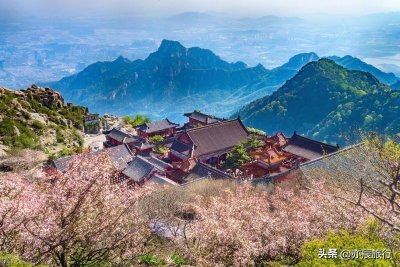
{"x":202,"y":170}
{"x":160,"y":180}
{"x":351,"y":163}
{"x":139,"y":143}
{"x":159,"y":163}
{"x":140,"y":167}
{"x":181,"y":148}
{"x":118,"y":135}
{"x":308,"y":148}
{"x":61,"y":164}
{"x":217,"y":137}
{"x":157,"y":126}
{"x":199,"y":116}
{"x":119,"y":155}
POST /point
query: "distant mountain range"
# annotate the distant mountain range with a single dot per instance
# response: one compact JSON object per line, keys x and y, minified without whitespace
{"x":289,"y":69}
{"x":176,"y":79}
{"x":353,"y":63}
{"x":328,"y":102}
{"x":169,"y":82}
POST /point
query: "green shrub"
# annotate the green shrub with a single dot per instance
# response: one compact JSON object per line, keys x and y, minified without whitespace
{"x":26,"y":138}
{"x":156,"y":139}
{"x":74,"y":114}
{"x":64,"y":152}
{"x":368,"y":239}
{"x":7,"y":127}
{"x":6,"y":103}
{"x":11,"y":260}
{"x":38,"y":125}
{"x":255,"y":131}
{"x":160,"y":149}
{"x":76,"y":136}
{"x":178,"y":260}
{"x":60,"y":136}
{"x":151,"y":260}
{"x":26,"y":115}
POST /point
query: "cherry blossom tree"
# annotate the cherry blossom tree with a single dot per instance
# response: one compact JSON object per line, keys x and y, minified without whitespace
{"x":74,"y":218}
{"x":366,"y":175}
{"x":12,"y":190}
{"x":81,"y":217}
{"x":245,"y":226}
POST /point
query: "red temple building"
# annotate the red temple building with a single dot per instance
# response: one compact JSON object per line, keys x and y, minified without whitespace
{"x":307,"y":149}
{"x":116,"y":137}
{"x":139,"y":146}
{"x":196,"y":119}
{"x":165,"y":128}
{"x":282,"y":154}
{"x":210,"y":143}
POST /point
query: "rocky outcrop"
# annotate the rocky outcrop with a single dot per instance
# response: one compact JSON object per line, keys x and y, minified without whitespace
{"x":46,"y":96}
{"x":28,"y":124}
{"x":42,"y":118}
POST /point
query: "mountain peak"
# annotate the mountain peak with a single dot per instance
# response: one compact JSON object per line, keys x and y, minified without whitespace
{"x":303,"y":58}
{"x":299,"y":60}
{"x":121,"y":59}
{"x":322,"y":98}
{"x":173,"y":53}
{"x":350,"y":57}
{"x":171,"y":46}
{"x":322,"y":66}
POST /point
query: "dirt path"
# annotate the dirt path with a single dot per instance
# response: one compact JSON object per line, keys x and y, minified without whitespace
{"x":94,"y":141}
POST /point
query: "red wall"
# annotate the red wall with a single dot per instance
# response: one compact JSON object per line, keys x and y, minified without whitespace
{"x":165,"y":133}
{"x":183,"y":138}
{"x":113,"y":142}
{"x":174,"y":158}
{"x":195,"y":122}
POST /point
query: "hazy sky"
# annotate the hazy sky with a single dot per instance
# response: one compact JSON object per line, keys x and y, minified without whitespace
{"x":168,"y":7}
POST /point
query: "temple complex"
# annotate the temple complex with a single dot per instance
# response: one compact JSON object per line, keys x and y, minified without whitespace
{"x":199,"y":149}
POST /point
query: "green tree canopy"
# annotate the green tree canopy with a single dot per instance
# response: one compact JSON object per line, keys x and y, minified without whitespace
{"x":157,"y":139}
{"x":237,"y":157}
{"x":137,"y":120}
{"x":255,"y":131}
{"x":253,"y":142}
